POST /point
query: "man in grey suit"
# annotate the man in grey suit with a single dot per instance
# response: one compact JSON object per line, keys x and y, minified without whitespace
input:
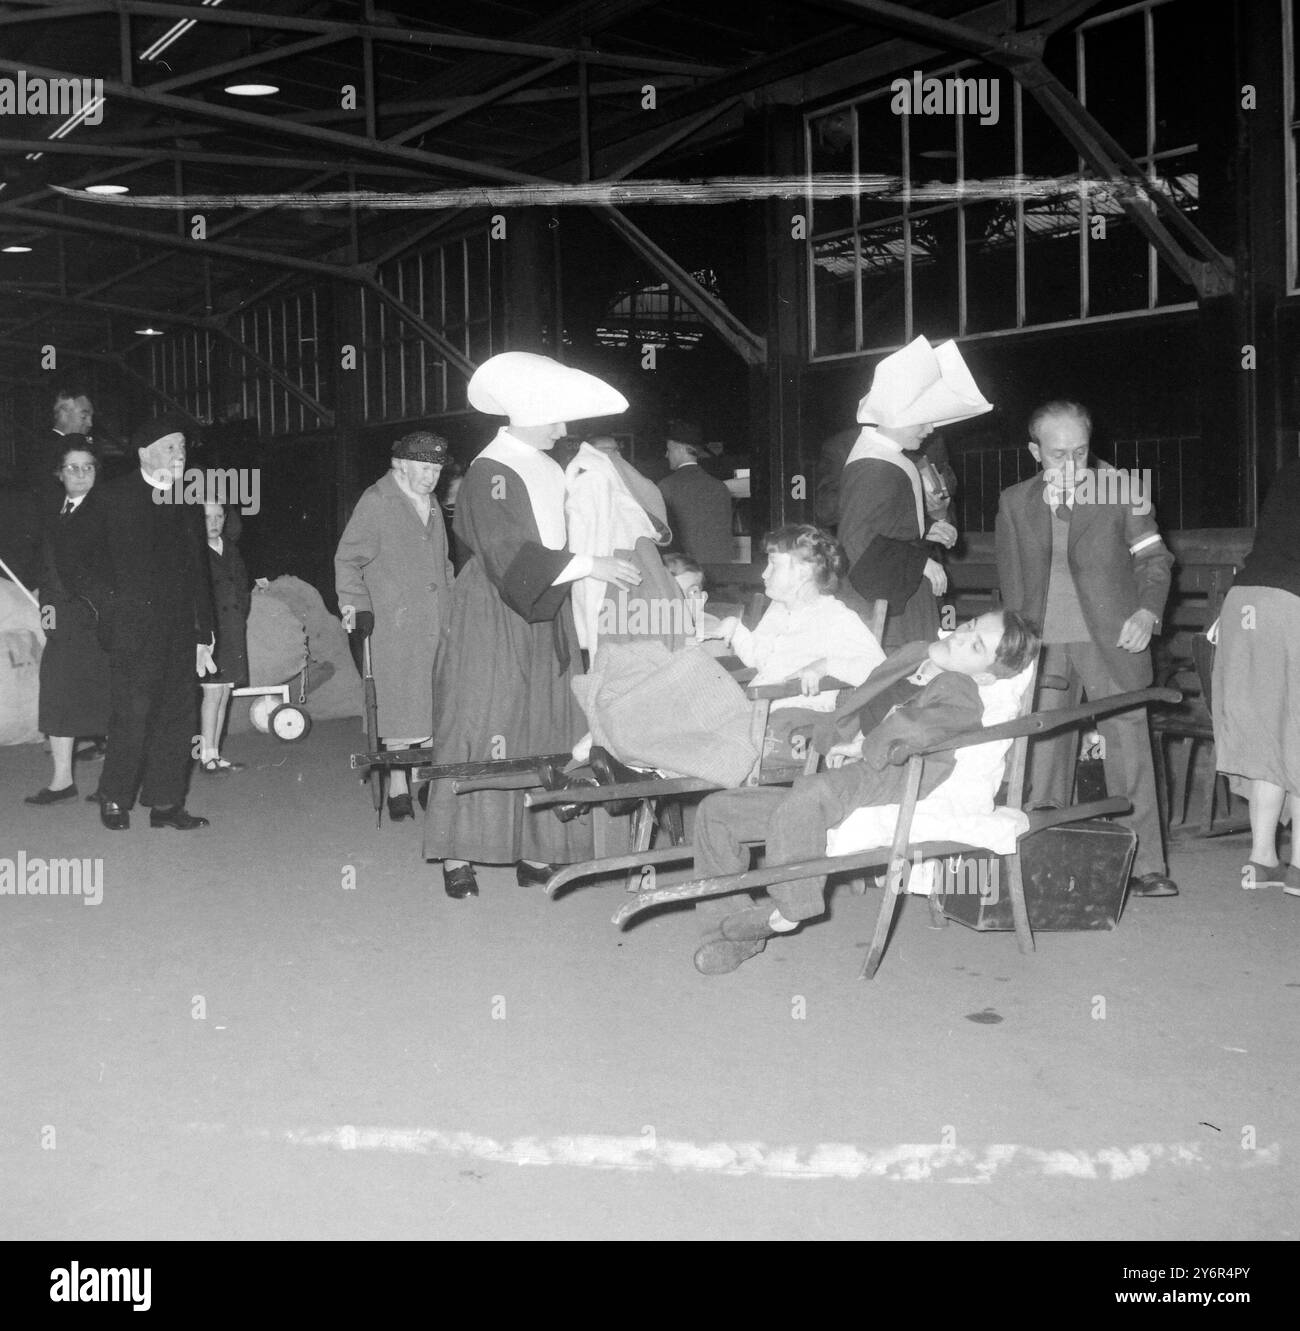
{"x":1079,"y":551}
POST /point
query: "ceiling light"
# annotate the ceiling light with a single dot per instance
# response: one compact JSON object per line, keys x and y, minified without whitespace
{"x":149,"y":332}
{"x":251,"y":89}
{"x":17,"y":249}
{"x":108,"y":189}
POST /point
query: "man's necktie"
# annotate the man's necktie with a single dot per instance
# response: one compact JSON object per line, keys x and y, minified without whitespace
{"x":1063,"y":511}
{"x":67,"y":508}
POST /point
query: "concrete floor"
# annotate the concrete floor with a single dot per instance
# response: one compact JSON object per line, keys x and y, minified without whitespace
{"x":381,"y":1062}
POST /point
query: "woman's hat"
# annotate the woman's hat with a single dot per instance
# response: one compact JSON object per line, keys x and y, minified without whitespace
{"x":536,"y":390}
{"x":422,"y":446}
{"x":922,"y":385}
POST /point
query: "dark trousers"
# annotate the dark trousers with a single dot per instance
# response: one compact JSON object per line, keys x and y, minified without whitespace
{"x":1130,"y":771}
{"x":794,"y":824}
{"x":152,"y":724}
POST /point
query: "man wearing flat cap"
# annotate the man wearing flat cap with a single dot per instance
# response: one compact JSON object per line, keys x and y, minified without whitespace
{"x":150,"y":592}
{"x":393,"y":580}
{"x":883,"y":523}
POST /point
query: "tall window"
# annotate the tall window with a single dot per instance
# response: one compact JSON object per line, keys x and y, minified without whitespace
{"x":285,"y":333}
{"x":655,"y":316}
{"x":182,"y":365}
{"x":959,"y":224}
{"x":449,"y":287}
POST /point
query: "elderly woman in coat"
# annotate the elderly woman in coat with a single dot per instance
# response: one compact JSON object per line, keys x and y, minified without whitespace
{"x":393,"y":578}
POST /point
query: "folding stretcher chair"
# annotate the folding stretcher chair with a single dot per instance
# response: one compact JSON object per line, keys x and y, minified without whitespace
{"x":899,"y":855}
{"x":656,"y":798}
{"x":659,"y":798}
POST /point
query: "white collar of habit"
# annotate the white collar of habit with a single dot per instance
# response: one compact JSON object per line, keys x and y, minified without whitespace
{"x":543,"y":478}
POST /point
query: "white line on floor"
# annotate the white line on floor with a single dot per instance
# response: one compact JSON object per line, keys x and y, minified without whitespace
{"x":917,"y":1161}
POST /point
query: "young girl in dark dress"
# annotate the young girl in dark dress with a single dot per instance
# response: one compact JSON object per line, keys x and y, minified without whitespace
{"x":230,"y":603}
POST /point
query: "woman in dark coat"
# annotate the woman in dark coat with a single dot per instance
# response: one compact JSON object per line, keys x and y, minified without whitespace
{"x":231,"y":600}
{"x":74,"y":669}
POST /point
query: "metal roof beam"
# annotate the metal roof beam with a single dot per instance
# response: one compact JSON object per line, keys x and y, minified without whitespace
{"x":250,"y":61}
{"x":467,"y":104}
{"x":109,"y":358}
{"x":198,"y":248}
{"x":209,"y":248}
{"x":208,"y":324}
{"x":417,"y":321}
{"x":944,"y":33}
{"x":403,"y":36}
{"x":748,"y":345}
{"x":197,"y":158}
{"x":275,"y":127}
{"x":1150,"y":209}
{"x":48,"y":13}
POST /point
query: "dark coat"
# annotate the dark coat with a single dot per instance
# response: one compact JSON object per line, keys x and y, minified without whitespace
{"x":1117,"y":567}
{"x":699,"y":513}
{"x":231,"y":601}
{"x":150,"y":588}
{"x":885,"y":548}
{"x":150,"y":576}
{"x":947,"y":706}
{"x":74,"y":668}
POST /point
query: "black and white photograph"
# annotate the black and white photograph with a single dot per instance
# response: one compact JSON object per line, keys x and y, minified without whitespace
{"x":626,"y":620}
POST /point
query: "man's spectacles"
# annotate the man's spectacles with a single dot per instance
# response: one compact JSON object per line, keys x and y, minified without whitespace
{"x":74,"y":470}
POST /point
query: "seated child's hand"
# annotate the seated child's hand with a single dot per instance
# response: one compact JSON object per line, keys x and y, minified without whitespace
{"x":848,"y":751}
{"x":810,"y":678}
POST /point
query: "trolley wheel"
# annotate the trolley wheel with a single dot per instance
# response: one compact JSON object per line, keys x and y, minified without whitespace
{"x":289,"y":723}
{"x":259,"y":713}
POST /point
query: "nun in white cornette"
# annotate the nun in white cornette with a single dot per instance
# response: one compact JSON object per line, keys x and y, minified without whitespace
{"x":883,"y":524}
{"x":502,"y":683}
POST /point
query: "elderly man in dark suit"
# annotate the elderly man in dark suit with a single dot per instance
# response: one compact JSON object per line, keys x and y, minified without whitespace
{"x":1079,"y":550}
{"x":699,"y":505}
{"x":152,"y":595}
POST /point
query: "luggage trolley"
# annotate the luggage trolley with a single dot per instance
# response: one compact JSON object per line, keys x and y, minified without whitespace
{"x":287,"y":721}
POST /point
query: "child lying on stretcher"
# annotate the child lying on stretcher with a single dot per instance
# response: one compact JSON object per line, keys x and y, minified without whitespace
{"x":922,"y":693}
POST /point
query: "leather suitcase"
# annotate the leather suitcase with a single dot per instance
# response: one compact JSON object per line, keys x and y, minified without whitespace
{"x":1075,"y":877}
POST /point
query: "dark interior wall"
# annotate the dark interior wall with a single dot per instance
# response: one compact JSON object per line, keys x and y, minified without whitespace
{"x":705,"y":383}
{"x":1138,"y":379}
{"x":120,"y":404}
